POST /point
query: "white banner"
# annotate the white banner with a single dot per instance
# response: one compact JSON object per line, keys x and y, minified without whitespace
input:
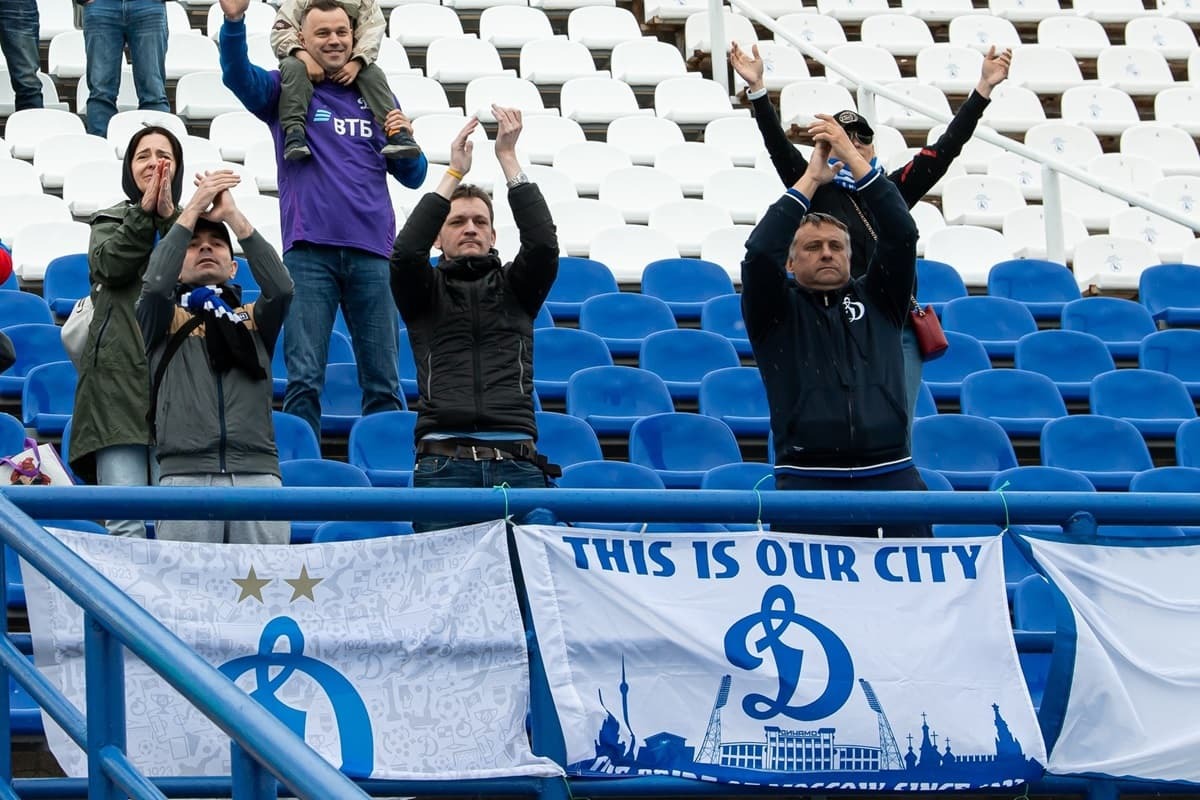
{"x":782,"y":659}
{"x":402,"y":657}
{"x":1123,"y":694}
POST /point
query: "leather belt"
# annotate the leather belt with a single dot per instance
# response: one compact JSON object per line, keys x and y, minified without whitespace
{"x":475,"y":450}
{"x":470,"y":451}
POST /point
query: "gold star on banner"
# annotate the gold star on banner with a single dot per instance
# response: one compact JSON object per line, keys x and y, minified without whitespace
{"x":251,"y":585}
{"x":303,"y":586}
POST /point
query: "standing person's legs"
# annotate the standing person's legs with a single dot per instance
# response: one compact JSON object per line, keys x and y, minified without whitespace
{"x":123,"y":465}
{"x":19,"y":41}
{"x":258,"y":531}
{"x":192,"y":530}
{"x":146,"y":22}
{"x":104,"y":40}
{"x":374,"y":329}
{"x":306,"y":333}
{"x":443,"y":472}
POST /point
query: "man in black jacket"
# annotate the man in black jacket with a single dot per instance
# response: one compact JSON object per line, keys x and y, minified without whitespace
{"x":914,"y":179}
{"x":470,"y":322}
{"x":827,"y":344}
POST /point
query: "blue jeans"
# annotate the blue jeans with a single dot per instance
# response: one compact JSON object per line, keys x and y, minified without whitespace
{"x":19,"y":41}
{"x":913,"y":364}
{"x":108,"y":26}
{"x":360,"y":282}
{"x":443,"y":472}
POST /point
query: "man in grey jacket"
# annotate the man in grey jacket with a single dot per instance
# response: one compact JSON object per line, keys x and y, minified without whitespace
{"x":210,"y":359}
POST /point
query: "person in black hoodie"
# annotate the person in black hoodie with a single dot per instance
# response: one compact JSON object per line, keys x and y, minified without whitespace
{"x":471,"y":324}
{"x":914,"y":179}
{"x":827,"y":344}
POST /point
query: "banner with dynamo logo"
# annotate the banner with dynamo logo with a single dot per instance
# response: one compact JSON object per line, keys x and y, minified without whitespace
{"x":402,"y":657}
{"x":783,"y":660}
{"x":1123,"y":688}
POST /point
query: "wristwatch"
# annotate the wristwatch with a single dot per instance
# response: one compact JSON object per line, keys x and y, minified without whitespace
{"x":517,"y":180}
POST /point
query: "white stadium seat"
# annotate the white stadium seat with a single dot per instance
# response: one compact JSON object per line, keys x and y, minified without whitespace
{"x":556,"y":61}
{"x":55,"y":155}
{"x":691,"y":163}
{"x":642,"y":138}
{"x":687,"y":222}
{"x":1111,"y":262}
{"x":637,"y":190}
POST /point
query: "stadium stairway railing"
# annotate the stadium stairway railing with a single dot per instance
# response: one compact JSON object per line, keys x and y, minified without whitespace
{"x":264,"y":750}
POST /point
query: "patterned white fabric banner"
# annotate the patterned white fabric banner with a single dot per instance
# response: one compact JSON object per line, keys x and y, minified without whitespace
{"x":779,"y":659}
{"x":1123,"y":693}
{"x":401,"y":657}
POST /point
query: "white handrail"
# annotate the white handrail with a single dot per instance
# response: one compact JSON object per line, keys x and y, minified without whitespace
{"x":1051,"y":167}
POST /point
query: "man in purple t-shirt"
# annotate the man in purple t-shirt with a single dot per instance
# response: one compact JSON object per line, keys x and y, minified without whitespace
{"x":337,"y":217}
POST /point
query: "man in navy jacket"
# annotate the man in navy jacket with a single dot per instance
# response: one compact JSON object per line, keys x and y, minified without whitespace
{"x":828,"y":346}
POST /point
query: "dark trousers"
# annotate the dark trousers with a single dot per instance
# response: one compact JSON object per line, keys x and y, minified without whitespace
{"x":457,"y":473}
{"x":904,"y":480}
{"x":296,"y":92}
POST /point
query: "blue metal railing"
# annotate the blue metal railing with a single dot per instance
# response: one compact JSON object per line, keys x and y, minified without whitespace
{"x":264,"y":750}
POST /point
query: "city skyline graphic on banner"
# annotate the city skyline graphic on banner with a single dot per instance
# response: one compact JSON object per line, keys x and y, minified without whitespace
{"x":799,"y":745}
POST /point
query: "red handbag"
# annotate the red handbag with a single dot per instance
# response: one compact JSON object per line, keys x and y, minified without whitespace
{"x":928,"y":329}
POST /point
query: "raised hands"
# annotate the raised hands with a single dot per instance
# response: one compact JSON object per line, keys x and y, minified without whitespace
{"x":157,"y":199}
{"x":462,"y":147}
{"x":508,"y":129}
{"x":234,"y":9}
{"x":750,"y":69}
{"x":348,"y":73}
{"x":995,"y":70}
{"x":826,"y":129}
{"x":820,"y":169}
{"x":209,"y":186}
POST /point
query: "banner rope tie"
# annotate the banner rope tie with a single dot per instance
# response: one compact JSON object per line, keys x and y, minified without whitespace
{"x":1000,"y":491}
{"x":758,"y":495}
{"x":503,"y":488}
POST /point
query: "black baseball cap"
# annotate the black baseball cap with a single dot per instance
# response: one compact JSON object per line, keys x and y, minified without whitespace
{"x":855,"y":123}
{"x":217,"y":228}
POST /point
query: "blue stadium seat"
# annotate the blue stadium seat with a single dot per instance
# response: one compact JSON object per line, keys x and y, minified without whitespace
{"x":48,"y":397}
{"x":1069,"y":358}
{"x":944,"y":375}
{"x":381,"y":445}
{"x":938,"y":283}
{"x":544,"y":318}
{"x":996,"y":322}
{"x":1120,"y":324}
{"x":294,"y":438}
{"x":20,"y":308}
{"x":339,"y":323}
{"x":341,"y":399}
{"x":1108,"y":451}
{"x":682,"y":358}
{"x":934,"y":480}
{"x":1016,"y":566}
{"x":737,"y":397}
{"x":340,"y":352}
{"x":926,"y":405}
{"x":24,"y":714}
{"x":1043,"y":287}
{"x":624,"y":319}
{"x":12,"y":435}
{"x":1037,"y":478}
{"x":1167,"y":479}
{"x":348,"y":531}
{"x":559,"y":352}
{"x":685,"y":284}
{"x":1187,"y":444}
{"x":1171,"y":293}
{"x":1033,"y":611}
{"x":65,"y":282}
{"x":681,"y":448}
{"x":1140,"y":531}
{"x":578,"y":279}
{"x":1019,"y":400}
{"x":318,"y":472}
{"x":1175,"y":352}
{"x":743,"y":475}
{"x":11,"y":283}
{"x":1155,"y":402}
{"x":35,"y":344}
{"x":611,"y":399}
{"x":566,"y":440}
{"x":609,"y":475}
{"x":967,"y":450}
{"x":244,"y":278}
{"x":406,"y":365}
{"x":723,"y":315}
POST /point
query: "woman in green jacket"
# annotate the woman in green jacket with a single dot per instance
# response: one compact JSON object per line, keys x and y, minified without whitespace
{"x":110,"y":436}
